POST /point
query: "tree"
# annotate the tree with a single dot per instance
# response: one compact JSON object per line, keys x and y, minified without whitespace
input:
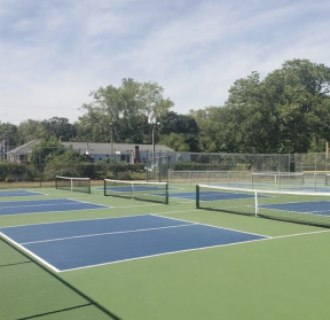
{"x":153,"y":105}
{"x":302,"y":103}
{"x":176,"y":141}
{"x":29,"y":130}
{"x":288,"y":111}
{"x":185,"y":128}
{"x":46,"y":150}
{"x":122,"y":113}
{"x":8,"y":135}
{"x":60,"y":128}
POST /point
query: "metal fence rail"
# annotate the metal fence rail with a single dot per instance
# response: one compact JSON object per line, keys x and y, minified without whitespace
{"x":100,"y":163}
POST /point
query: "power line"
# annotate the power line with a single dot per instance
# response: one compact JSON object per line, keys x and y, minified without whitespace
{"x":37,"y":107}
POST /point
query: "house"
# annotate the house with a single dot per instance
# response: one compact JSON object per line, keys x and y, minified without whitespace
{"x":118,"y":152}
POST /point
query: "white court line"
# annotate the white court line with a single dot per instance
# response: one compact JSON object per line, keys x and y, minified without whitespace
{"x":186,"y":198}
{"x":77,"y":220}
{"x":295,"y":202}
{"x":301,"y":234}
{"x":297,"y":212}
{"x":166,"y":253}
{"x":102,"y":196}
{"x":39,"y":205}
{"x":88,"y":202}
{"x":25,"y":193}
{"x":162,"y":254}
{"x":49,"y":204}
{"x":46,"y":212}
{"x":29,"y":252}
{"x":172,"y":252}
{"x":202,"y":248}
{"x":109,"y":233}
{"x":209,"y":225}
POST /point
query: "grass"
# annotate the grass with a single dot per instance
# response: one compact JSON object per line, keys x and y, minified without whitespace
{"x":283,"y":277}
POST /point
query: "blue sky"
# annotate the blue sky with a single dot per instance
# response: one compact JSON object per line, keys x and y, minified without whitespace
{"x":53,"y":53}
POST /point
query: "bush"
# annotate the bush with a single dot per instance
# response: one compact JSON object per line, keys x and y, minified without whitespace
{"x":11,"y":172}
{"x":194,"y":166}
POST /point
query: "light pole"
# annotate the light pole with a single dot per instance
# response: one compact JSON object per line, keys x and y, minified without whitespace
{"x":92,"y":125}
{"x":3,"y":146}
{"x":111,"y":140}
{"x":154,"y":123}
{"x":112,"y":125}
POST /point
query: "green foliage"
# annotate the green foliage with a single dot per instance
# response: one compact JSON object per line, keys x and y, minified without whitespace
{"x":95,"y":171}
{"x":179,"y":132}
{"x":176,"y":142}
{"x":121,"y":114}
{"x":287,"y":112}
{"x":11,"y":172}
{"x":8,"y":132}
{"x":45,"y":151}
{"x":196,"y":166}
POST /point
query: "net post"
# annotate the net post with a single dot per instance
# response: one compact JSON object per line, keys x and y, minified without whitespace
{"x":256,"y":206}
{"x":251,"y":180}
{"x":166,"y":194}
{"x":132,"y":186}
{"x":197,"y":196}
{"x":71,"y":184}
{"x":104,"y":187}
{"x":280,"y":181}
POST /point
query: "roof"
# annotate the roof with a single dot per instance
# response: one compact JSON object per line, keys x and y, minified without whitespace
{"x":25,"y":148}
{"x":91,"y":147}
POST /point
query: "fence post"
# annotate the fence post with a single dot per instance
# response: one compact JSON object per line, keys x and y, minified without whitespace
{"x":197,"y":196}
{"x":147,"y":176}
{"x":40,"y":169}
{"x":159,"y":166}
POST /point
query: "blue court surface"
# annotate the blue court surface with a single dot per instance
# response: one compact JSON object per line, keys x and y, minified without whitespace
{"x":212,"y":195}
{"x":19,"y":193}
{"x":312,"y":207}
{"x":37,"y":206}
{"x":308,"y":189}
{"x":77,"y":244}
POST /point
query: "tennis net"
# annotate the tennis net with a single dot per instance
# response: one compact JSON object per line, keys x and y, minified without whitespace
{"x":277,"y":179}
{"x":210,"y":177}
{"x":327,"y":179}
{"x":73,"y":184}
{"x":146,"y":191}
{"x":306,"y":208}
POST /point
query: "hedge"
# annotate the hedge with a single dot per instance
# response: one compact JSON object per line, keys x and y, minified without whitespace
{"x":28,"y":172}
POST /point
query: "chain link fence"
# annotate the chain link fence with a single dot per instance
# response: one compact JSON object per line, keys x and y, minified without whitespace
{"x":39,"y":167}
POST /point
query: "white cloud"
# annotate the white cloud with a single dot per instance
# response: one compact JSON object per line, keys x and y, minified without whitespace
{"x":54,"y":53}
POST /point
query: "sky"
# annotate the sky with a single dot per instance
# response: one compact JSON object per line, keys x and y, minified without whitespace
{"x":53,"y":53}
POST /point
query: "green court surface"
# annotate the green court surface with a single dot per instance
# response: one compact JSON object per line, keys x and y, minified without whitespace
{"x":284,"y":276}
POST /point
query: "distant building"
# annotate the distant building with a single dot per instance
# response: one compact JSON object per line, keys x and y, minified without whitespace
{"x":97,"y":151}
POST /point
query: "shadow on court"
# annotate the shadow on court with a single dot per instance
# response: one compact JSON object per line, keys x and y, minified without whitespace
{"x":30,"y":291}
